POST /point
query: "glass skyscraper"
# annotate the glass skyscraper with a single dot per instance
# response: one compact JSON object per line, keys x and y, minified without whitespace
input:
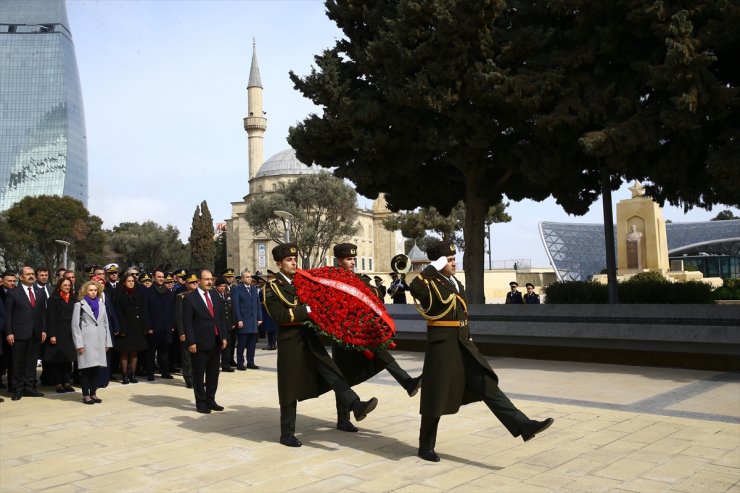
{"x":43,"y":148}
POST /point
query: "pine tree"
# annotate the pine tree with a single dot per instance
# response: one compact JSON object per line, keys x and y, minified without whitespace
{"x":201,"y":238}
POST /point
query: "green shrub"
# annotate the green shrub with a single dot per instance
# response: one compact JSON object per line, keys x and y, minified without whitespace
{"x":730,"y":290}
{"x":650,"y":277}
{"x":640,"y":291}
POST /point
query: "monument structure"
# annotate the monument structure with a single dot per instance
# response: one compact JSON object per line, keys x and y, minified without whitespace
{"x":641,"y":236}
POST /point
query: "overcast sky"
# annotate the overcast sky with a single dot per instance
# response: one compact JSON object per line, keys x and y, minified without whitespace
{"x":164,"y":89}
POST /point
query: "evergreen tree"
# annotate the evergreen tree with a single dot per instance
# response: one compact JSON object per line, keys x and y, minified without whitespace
{"x":147,"y":244}
{"x":201,"y":238}
{"x":481,"y":99}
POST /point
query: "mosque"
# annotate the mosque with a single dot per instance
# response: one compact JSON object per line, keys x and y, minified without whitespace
{"x":376,"y":246}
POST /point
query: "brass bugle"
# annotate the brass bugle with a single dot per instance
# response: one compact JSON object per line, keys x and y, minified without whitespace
{"x":400,"y":264}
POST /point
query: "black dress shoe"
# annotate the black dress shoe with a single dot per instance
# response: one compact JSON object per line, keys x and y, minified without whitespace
{"x":133,"y":379}
{"x":362,"y":408}
{"x":346,"y":426}
{"x":167,"y":376}
{"x":96,"y":399}
{"x":413,"y":385}
{"x":60,"y":390}
{"x":233,"y":363}
{"x":189,"y":385}
{"x":2,"y":400}
{"x":227,"y":369}
{"x":69,"y":388}
{"x":89,"y":402}
{"x":149,"y":378}
{"x":32,"y":393}
{"x":17,"y":396}
{"x":253,"y":367}
{"x":203,"y":410}
{"x":428,"y":454}
{"x":532,"y":427}
{"x":215,"y":407}
{"x":241,"y":368}
{"x":290,"y":441}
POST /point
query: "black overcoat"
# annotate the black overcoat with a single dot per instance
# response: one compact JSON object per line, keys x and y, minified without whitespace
{"x":59,"y":325}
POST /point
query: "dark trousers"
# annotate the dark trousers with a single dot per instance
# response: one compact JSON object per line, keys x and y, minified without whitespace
{"x":271,"y":338}
{"x":89,"y":380}
{"x":162,"y":354}
{"x":227,"y":353}
{"x":390,"y":364}
{"x":60,"y":373}
{"x":206,"y":367}
{"x":344,"y":394}
{"x":25,"y":356}
{"x":248,"y":342}
{"x":187,"y":363}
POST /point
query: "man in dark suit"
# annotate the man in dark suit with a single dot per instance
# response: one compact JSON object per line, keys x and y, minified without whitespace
{"x":25,"y":332}
{"x":205,"y":335}
{"x":455,"y":372}
{"x":9,"y":280}
{"x":245,"y":301}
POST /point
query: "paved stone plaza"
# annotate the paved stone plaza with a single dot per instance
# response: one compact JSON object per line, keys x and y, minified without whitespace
{"x":617,"y":428}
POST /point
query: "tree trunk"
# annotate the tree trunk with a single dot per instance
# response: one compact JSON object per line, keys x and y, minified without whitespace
{"x":474,"y":231}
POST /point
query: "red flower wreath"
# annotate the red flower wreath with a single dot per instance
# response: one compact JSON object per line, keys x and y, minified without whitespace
{"x":345,"y":309}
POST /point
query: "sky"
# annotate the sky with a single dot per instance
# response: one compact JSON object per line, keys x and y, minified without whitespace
{"x":164,"y":90}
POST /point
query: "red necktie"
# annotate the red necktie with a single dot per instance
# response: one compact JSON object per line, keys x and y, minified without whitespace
{"x":33,"y":298}
{"x":210,"y":310}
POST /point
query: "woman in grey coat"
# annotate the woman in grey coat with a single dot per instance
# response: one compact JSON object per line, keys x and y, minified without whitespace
{"x":91,"y":337}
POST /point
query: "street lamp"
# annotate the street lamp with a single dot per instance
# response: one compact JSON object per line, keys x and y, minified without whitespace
{"x":287,"y":218}
{"x":66,"y":246}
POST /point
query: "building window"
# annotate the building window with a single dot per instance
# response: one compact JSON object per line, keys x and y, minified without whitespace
{"x":370,"y":264}
{"x":363,"y":263}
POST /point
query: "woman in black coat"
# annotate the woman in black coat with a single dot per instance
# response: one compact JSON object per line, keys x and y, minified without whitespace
{"x":60,"y":350}
{"x":132,"y":324}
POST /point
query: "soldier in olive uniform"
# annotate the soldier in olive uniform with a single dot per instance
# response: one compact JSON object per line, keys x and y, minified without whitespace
{"x":191,"y":283}
{"x":455,"y":372}
{"x":354,"y":365}
{"x":305,"y":369}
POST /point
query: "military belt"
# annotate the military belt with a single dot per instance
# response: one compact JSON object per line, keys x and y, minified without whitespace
{"x":447,"y":323}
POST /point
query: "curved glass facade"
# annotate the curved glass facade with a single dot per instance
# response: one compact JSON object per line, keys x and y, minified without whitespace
{"x":576,"y":251}
{"x":43,"y":147}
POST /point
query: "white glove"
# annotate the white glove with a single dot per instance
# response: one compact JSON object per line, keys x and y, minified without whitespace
{"x":440,"y":263}
{"x":308,"y":309}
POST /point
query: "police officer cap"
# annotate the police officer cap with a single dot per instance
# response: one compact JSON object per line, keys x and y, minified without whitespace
{"x":144,"y":277}
{"x":227,"y":273}
{"x":90,"y":269}
{"x":111,"y":268}
{"x":440,"y":248}
{"x":377,"y":279}
{"x":514,"y":284}
{"x":284,"y":250}
{"x":192,"y":277}
{"x":344,"y":250}
{"x":365,"y":277}
{"x":220,"y":281}
{"x":180,"y":273}
{"x":168,"y":277}
{"x":529,"y":285}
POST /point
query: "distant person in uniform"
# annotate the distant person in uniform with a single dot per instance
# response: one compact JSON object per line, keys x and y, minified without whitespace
{"x":514,"y":297}
{"x":530,"y":297}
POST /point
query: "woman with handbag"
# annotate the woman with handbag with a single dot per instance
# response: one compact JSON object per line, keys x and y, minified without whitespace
{"x":91,"y":338}
{"x":130,"y":338}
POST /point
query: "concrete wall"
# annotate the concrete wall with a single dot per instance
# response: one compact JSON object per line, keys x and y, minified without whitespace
{"x":688,"y":336}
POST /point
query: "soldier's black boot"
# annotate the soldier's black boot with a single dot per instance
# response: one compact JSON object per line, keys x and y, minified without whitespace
{"x":428,"y":439}
{"x":343,"y":422}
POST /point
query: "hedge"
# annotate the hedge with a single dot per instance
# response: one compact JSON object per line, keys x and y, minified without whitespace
{"x":643,"y":290}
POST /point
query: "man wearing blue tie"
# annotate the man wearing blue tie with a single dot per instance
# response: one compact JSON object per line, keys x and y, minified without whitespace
{"x":245,"y":302}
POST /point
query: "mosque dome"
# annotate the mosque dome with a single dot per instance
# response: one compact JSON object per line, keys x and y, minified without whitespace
{"x":285,"y":163}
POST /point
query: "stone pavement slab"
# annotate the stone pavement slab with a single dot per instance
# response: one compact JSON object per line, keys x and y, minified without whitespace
{"x":617,"y":428}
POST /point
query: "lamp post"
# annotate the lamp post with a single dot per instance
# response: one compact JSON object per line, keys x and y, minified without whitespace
{"x":287,"y":218}
{"x":66,"y":246}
